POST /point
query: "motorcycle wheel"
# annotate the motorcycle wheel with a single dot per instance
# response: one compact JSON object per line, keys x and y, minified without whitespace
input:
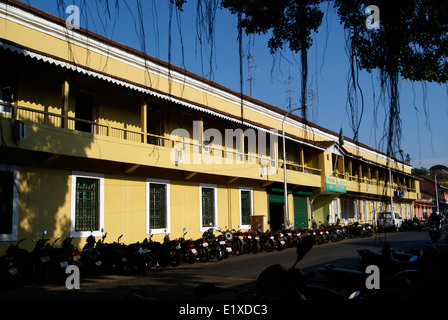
{"x":174,"y":259}
{"x":225,"y":253}
{"x":191,"y":257}
{"x":203,"y":254}
{"x":256,"y":248}
{"x":266,"y":246}
{"x":237,"y":248}
{"x":279,"y":246}
{"x":218,"y":254}
{"x":333,"y":238}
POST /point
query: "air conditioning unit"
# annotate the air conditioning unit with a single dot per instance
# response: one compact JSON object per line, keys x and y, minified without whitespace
{"x":19,"y":130}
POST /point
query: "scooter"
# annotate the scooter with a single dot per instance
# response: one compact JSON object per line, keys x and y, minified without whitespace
{"x":61,"y":258}
{"x":114,"y":256}
{"x":42,"y":262}
{"x":89,"y":260}
{"x":15,"y":265}
{"x":434,"y":232}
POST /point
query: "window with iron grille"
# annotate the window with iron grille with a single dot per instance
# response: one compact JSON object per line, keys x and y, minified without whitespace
{"x":6,"y":201}
{"x":87,"y":204}
{"x":157,"y":206}
{"x":246,"y":206}
{"x":208,"y":207}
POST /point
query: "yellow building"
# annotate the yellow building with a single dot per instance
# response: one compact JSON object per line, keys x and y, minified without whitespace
{"x":99,"y":136}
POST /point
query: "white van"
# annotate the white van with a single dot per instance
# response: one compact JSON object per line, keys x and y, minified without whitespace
{"x":389,"y":220}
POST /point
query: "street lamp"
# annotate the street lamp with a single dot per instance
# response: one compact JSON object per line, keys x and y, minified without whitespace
{"x":390,"y":181}
{"x":284,"y":161}
{"x":437,"y":193}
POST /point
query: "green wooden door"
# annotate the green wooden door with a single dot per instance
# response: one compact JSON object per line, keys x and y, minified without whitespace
{"x":300,"y":211}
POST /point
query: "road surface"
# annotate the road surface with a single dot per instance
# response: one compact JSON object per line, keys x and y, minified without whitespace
{"x":237,"y":272}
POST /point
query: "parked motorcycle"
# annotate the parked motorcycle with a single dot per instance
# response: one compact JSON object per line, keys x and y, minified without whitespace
{"x":239,"y":242}
{"x":188,"y":249}
{"x":90,"y":260}
{"x":41,"y":256}
{"x":251,"y":242}
{"x":173,"y":249}
{"x":320,"y":235}
{"x":335,"y":233}
{"x":215,"y":248}
{"x":61,"y":258}
{"x":15,"y":265}
{"x":279,"y":241}
{"x":225,"y":239}
{"x":158,"y":251}
{"x":267,"y":240}
{"x":202,"y":247}
{"x":292,"y":237}
{"x":138,"y":256}
{"x":114,"y":255}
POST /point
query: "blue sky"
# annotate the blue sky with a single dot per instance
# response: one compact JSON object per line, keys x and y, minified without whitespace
{"x":424,"y":121}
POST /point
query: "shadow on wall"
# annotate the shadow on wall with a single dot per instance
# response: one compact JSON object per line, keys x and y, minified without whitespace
{"x":44,"y":191}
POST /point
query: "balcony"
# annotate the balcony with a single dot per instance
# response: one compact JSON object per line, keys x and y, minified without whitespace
{"x":376,"y":186}
{"x":62,"y":134}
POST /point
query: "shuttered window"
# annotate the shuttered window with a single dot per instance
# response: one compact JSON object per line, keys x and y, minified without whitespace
{"x":6,"y":201}
{"x":157,"y":206}
{"x":87,"y":204}
{"x":246,"y":207}
{"x":208,"y":207}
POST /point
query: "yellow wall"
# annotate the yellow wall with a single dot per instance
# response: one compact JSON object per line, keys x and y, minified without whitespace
{"x":44,"y":204}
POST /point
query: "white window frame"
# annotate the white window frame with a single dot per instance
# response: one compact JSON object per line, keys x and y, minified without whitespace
{"x":251,"y":190}
{"x":168,"y":211}
{"x":89,"y":175}
{"x":15,"y":204}
{"x":215,"y":194}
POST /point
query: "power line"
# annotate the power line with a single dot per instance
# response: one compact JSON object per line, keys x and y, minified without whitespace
{"x":289,"y":92}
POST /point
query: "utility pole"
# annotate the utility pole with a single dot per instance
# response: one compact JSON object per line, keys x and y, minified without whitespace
{"x":251,"y":59}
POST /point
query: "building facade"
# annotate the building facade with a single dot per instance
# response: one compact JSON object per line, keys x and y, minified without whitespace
{"x":427,"y":201}
{"x":99,"y":137}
